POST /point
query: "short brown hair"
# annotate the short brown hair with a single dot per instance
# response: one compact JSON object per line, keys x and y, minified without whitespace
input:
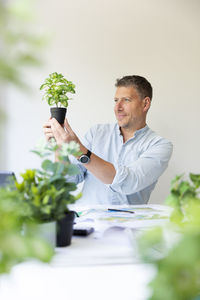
{"x":142,"y":85}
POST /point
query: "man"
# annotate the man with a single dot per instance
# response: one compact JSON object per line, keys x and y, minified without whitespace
{"x":121,"y":162}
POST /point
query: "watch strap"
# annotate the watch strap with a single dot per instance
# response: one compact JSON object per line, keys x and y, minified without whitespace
{"x":88,"y":154}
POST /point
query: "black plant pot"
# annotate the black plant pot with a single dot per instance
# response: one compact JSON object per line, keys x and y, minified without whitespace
{"x":65,"y":229}
{"x":58,"y":113}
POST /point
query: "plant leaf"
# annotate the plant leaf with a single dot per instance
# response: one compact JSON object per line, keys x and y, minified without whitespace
{"x":47,"y":165}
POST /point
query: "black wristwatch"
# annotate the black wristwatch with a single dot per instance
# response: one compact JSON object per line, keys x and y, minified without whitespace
{"x":85,"y":158}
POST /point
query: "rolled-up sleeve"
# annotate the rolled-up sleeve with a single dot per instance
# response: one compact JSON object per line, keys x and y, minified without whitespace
{"x":144,"y":171}
{"x":78,"y":178}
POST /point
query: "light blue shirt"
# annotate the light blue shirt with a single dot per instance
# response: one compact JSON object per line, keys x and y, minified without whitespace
{"x":139,"y":162}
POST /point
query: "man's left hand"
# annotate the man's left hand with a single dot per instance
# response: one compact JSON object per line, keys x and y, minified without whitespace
{"x":63,"y":134}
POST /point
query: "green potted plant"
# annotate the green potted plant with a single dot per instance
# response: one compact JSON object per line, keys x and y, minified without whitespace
{"x":178,"y":265}
{"x":16,"y":247}
{"x":46,"y":190}
{"x":56,"y":88}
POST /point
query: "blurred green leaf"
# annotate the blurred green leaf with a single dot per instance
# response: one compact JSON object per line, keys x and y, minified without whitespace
{"x":20,"y":45}
{"x":178,"y":265}
{"x":47,"y":165}
{"x":195,"y":178}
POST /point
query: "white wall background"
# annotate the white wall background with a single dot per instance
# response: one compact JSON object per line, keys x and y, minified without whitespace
{"x":93,"y":43}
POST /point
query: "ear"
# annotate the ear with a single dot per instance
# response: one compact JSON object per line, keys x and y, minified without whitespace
{"x":147,"y":103}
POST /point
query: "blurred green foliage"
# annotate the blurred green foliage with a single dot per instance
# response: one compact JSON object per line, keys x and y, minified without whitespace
{"x":15,"y":245}
{"x":20,"y":49}
{"x":42,"y":196}
{"x":20,"y":44}
{"x":178,"y":274}
{"x":46,"y":191}
{"x":184,"y":197}
{"x":178,"y":262}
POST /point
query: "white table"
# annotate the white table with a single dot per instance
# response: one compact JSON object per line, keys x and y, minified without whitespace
{"x":90,"y":268}
{"x":34,"y":281}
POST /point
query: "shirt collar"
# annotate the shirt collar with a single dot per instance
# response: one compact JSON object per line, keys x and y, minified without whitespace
{"x":141,"y":131}
{"x":138,"y":132}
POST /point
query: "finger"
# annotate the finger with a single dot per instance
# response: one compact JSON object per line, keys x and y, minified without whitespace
{"x":48,"y":131}
{"x":67,"y":126}
{"x":59,"y":133}
{"x":46,"y":125}
{"x":55,"y":125}
{"x":49,"y":136}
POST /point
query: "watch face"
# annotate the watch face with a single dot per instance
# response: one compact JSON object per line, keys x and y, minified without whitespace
{"x":84,"y":159}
